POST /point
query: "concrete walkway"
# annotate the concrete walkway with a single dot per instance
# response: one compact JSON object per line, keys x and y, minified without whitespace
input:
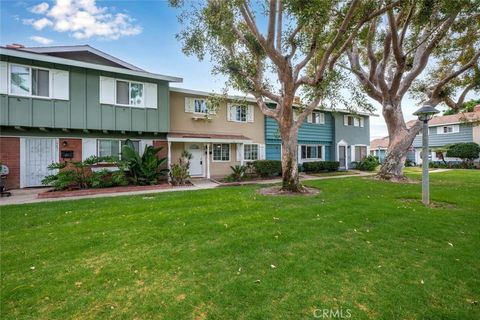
{"x":24,"y":196}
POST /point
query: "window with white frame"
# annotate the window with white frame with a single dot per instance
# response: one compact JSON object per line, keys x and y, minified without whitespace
{"x":129,"y":93}
{"x":29,"y":81}
{"x":250,"y":151}
{"x":354,"y":121}
{"x":113,"y":148}
{"x":221,"y":152}
{"x":448,"y":129}
{"x":241,"y":113}
{"x":360,"y":153}
{"x":200,"y":106}
{"x":311,"y":152}
{"x":316,"y":117}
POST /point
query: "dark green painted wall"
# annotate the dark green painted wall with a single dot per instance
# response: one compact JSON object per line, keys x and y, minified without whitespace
{"x":83,"y":110}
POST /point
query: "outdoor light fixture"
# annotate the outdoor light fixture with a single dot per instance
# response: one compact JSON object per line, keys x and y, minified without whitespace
{"x":425,"y":114}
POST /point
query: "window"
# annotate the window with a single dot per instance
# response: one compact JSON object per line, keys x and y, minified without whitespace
{"x":241,"y":113}
{"x":353,"y":121}
{"x":250,"y":151}
{"x":113,"y":148}
{"x":311,"y":152}
{"x":29,"y":81}
{"x":316,"y":117}
{"x":221,"y":152}
{"x":360,"y":153}
{"x":129,"y":93}
{"x":200,"y":106}
{"x":448,"y":129}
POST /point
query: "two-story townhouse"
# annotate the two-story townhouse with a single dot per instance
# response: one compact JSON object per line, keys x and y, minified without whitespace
{"x":325,"y":135}
{"x":445,"y":130}
{"x":217,"y":139}
{"x":72,"y":102}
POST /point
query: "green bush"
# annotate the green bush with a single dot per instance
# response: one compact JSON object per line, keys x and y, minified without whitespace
{"x":238,"y":173}
{"x":318,"y":166}
{"x":268,"y":168}
{"x":467,"y":151}
{"x":370,"y":163}
{"x":179,"y":173}
{"x":143,"y":169}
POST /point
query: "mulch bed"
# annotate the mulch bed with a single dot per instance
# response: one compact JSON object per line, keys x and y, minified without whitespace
{"x":88,"y":192}
{"x":276,"y":191}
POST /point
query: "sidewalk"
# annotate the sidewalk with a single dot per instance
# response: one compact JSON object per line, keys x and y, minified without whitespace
{"x":24,"y":196}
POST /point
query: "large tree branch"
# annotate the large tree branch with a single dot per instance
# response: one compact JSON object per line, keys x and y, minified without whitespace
{"x":271,"y":22}
{"x":362,"y":76}
{"x":279,"y":25}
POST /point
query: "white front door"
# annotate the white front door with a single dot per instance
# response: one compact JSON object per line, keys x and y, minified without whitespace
{"x":39,"y":153}
{"x":197,"y":161}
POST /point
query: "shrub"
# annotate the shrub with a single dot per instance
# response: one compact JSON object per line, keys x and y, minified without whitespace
{"x":145,"y":169}
{"x":370,"y":163}
{"x":238,"y":173}
{"x":179,"y":174}
{"x":467,"y":151}
{"x":318,"y":166}
{"x":268,"y":168}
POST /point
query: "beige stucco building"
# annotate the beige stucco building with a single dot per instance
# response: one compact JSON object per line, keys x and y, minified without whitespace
{"x":217,"y":140}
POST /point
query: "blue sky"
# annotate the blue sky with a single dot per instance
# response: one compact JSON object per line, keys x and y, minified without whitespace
{"x":139,"y":32}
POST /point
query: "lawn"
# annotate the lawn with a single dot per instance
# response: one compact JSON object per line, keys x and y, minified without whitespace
{"x":362,"y":247}
{"x":333,"y":173}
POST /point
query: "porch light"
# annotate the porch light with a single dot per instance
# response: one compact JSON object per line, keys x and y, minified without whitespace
{"x":425,"y":114}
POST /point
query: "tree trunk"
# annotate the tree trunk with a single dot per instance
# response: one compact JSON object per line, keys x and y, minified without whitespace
{"x":290,"y":179}
{"x":400,"y":141}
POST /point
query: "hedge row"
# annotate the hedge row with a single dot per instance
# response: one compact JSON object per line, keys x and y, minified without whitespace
{"x":318,"y":166}
{"x":268,"y":168}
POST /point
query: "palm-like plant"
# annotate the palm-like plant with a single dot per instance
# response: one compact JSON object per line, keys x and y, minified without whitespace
{"x":144,"y":169}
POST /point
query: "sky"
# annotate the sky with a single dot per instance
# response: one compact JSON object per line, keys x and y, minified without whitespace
{"x":140,"y":32}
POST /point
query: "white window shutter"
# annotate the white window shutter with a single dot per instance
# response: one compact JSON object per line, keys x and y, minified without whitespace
{"x":299,"y":154}
{"x":107,"y":90}
{"x":362,"y":123}
{"x":310,"y":118}
{"x":151,"y":98}
{"x":144,"y":144}
{"x":439,"y":130}
{"x":261,"y":152}
{"x":239,"y":152}
{"x":3,"y":77}
{"x":456,"y":128}
{"x":89,"y":148}
{"x":230,"y":113}
{"x":60,"y":84}
{"x":250,"y":113}
{"x":322,"y":118}
{"x":189,"y":105}
{"x":345,"y":120}
{"x":356,"y":122}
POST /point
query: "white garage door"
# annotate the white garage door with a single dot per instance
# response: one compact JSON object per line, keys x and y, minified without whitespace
{"x":38,"y":153}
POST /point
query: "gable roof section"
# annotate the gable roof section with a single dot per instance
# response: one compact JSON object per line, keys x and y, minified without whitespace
{"x":455,"y":118}
{"x":82,"y":64}
{"x":83,"y":53}
{"x":380,"y":143}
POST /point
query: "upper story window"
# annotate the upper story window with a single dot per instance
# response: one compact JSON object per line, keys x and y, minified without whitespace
{"x":129,"y":93}
{"x":448,"y":129}
{"x":240,"y":113}
{"x":316,"y":117}
{"x":221,"y":152}
{"x":200,"y":106}
{"x":311,"y":152}
{"x":354,"y":121}
{"x":28,"y":81}
{"x":250,"y":151}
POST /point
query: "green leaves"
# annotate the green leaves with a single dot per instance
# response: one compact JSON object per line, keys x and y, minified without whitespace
{"x":145,"y":169}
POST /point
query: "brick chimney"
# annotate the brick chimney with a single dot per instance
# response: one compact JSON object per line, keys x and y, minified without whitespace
{"x":476,"y":108}
{"x":15,"y":46}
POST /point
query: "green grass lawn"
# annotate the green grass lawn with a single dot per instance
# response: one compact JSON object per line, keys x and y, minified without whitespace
{"x":360,"y":245}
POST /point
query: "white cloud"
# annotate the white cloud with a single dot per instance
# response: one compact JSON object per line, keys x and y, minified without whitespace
{"x":83,"y":19}
{"x":41,"y":23}
{"x":41,"y":40}
{"x":39,"y":8}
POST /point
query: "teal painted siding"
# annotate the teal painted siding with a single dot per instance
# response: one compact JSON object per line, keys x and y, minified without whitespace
{"x":308,"y":133}
{"x":465,"y":134}
{"x":83,"y":110}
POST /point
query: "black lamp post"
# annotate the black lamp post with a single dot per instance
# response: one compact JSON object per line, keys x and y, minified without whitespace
{"x":425,"y":114}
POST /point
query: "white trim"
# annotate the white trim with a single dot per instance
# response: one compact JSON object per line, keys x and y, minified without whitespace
{"x":186,"y":147}
{"x":207,"y":94}
{"x":353,"y":146}
{"x":142,"y":106}
{"x":29,"y":95}
{"x":243,"y":152}
{"x":76,"y":63}
{"x":207,"y":140}
{"x":236,"y":105}
{"x":301,"y":160}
